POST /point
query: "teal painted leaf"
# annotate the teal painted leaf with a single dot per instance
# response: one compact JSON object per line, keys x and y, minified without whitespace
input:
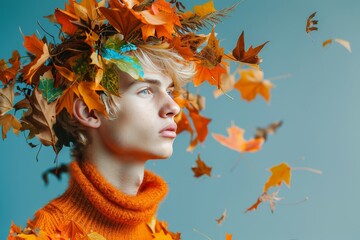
{"x":46,"y":86}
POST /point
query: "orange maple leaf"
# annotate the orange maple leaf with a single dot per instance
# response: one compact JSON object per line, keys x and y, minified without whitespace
{"x":279,"y":174}
{"x":251,"y":83}
{"x":201,"y":168}
{"x":87,"y":91}
{"x":209,"y":66}
{"x":160,"y":19}
{"x":66,"y":100}
{"x":41,"y":52}
{"x":236,"y":140}
{"x":200,"y":124}
{"x":251,"y":55}
{"x":122,"y":17}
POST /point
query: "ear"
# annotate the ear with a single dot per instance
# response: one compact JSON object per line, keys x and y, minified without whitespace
{"x":81,"y":113}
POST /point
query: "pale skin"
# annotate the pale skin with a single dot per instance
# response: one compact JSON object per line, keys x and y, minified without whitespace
{"x":120,"y":148}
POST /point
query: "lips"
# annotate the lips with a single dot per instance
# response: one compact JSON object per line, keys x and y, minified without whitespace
{"x":169,"y":131}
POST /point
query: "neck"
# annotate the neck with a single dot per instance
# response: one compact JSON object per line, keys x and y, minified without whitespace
{"x":125,"y":174}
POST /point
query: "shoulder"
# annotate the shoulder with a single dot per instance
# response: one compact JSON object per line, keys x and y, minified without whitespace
{"x":47,"y":218}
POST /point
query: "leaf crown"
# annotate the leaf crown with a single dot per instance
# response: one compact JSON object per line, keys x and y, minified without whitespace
{"x":94,"y":39}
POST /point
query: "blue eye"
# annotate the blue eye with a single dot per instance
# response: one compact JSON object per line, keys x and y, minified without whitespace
{"x":170,"y":92}
{"x":145,"y":91}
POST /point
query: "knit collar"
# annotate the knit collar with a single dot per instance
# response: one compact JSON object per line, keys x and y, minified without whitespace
{"x":113,"y":203}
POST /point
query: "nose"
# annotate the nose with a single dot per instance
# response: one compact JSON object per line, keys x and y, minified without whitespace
{"x":169,"y":107}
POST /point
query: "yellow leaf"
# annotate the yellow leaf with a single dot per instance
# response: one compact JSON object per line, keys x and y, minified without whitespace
{"x":279,"y":174}
{"x":251,"y":83}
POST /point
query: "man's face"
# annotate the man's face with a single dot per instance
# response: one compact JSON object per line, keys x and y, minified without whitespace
{"x":146,"y":107}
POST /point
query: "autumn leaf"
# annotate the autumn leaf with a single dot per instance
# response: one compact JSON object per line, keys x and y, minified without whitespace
{"x":56,"y":171}
{"x":227,"y":81}
{"x":93,"y":236}
{"x":9,"y":73}
{"x":228,"y":236}
{"x":66,"y":100}
{"x":279,"y":174}
{"x":201,"y":168}
{"x":204,"y":9}
{"x":251,"y":55}
{"x":41,"y":115}
{"x":342,"y":42}
{"x":87,"y":91}
{"x":270,"y":129}
{"x":310,"y":23}
{"x":209,"y":67}
{"x":200,"y":124}
{"x":41,"y":52}
{"x":236,"y":140}
{"x":70,"y":230}
{"x":266,"y":197}
{"x":46,"y":86}
{"x":161,"y":19}
{"x":123,"y":19}
{"x":251,"y":83}
{"x":6,"y":98}
{"x":222,"y":218}
{"x":7,"y":120}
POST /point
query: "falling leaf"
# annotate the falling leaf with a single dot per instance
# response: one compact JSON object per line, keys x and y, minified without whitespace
{"x":342,"y":42}
{"x":227,"y":82}
{"x":279,"y":174}
{"x":71,"y":230}
{"x":201,"y":168}
{"x":270,"y":129}
{"x":251,"y":55}
{"x":56,"y":171}
{"x":310,"y":23}
{"x":251,"y":83}
{"x":228,"y":236}
{"x":222,"y":218}
{"x":236,"y":140}
{"x":200,"y":124}
{"x":266,"y":197}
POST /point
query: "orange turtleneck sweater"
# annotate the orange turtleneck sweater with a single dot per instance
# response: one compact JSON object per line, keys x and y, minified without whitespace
{"x":96,"y":205}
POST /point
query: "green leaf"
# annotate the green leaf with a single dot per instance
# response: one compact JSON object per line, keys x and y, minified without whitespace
{"x":46,"y":86}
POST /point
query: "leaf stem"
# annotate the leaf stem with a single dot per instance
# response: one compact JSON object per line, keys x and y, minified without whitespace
{"x":308,"y":169}
{"x":203,"y":234}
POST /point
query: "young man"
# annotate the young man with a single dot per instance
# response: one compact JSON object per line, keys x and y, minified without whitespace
{"x":108,"y":90}
{"x":110,"y":192}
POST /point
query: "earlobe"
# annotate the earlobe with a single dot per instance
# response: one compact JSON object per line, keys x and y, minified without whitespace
{"x":81,"y":113}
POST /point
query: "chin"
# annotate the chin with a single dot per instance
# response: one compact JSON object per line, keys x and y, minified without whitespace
{"x":164,"y":153}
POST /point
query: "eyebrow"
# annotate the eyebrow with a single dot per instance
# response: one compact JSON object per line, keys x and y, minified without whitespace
{"x":152,"y":81}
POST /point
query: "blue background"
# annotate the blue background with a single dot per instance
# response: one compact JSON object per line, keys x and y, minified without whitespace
{"x":318,"y":104}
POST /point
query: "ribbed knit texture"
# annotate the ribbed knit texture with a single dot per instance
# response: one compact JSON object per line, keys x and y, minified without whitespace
{"x":96,"y":205}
